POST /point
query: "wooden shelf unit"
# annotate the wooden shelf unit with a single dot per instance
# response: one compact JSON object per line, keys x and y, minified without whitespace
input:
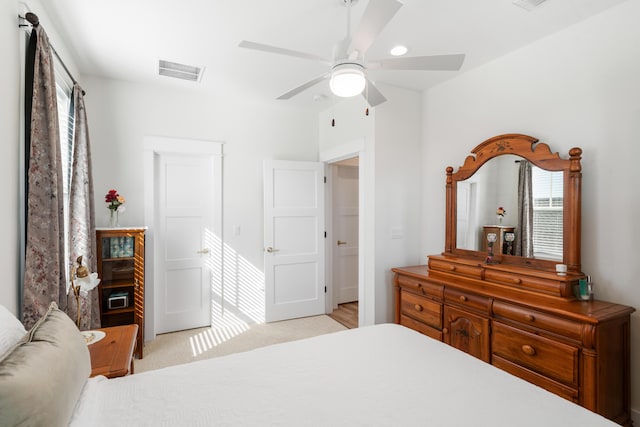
{"x":121,"y":270}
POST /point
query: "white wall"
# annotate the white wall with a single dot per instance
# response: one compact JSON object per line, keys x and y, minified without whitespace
{"x":9,"y":151}
{"x":398,"y":186}
{"x":351,"y":122}
{"x":120,"y":114}
{"x":577,"y":88}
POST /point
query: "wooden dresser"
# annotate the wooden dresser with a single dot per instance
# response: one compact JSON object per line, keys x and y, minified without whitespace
{"x":512,"y":311}
{"x":576,"y":349}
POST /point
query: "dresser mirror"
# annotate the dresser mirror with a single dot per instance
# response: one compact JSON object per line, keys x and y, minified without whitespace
{"x":536,"y":225}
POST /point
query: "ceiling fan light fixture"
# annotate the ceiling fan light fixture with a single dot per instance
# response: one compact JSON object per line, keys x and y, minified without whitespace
{"x":347,"y":80}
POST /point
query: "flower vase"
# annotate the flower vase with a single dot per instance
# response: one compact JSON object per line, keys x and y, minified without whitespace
{"x":113,"y":218}
{"x":499,"y":220}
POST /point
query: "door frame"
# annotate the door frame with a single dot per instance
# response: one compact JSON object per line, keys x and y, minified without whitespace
{"x":331,"y":177}
{"x":154,"y":145}
{"x":366,"y":264}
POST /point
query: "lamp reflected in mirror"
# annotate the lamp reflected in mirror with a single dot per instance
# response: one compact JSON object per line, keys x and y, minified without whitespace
{"x":491,"y":239}
{"x":509,"y":238}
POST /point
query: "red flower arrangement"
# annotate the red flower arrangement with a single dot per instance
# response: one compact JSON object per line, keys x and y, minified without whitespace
{"x":115,"y":201}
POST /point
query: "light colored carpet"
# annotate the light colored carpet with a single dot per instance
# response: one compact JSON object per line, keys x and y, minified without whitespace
{"x":203,"y":343}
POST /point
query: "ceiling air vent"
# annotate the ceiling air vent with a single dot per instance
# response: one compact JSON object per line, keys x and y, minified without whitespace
{"x":179,"y":71}
{"x":528,"y":4}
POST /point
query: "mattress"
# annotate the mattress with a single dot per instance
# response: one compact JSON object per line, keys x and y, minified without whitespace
{"x":384,"y":375}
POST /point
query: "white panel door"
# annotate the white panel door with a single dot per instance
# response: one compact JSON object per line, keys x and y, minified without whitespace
{"x":185,"y":207}
{"x":294,"y":239}
{"x":345,"y":230}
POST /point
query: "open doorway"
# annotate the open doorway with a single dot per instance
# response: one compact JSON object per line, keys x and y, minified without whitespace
{"x":345,"y":241}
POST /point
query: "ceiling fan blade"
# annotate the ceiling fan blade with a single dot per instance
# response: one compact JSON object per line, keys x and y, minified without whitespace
{"x":376,"y":16}
{"x":303,"y":87}
{"x":281,"y":51}
{"x":372,"y":94}
{"x":433,"y":62}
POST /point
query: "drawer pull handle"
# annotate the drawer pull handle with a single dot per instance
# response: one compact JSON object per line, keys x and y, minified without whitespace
{"x":463,"y":298}
{"x":445,"y":331}
{"x":530,"y":317}
{"x":452,"y":268}
{"x":517,"y":281}
{"x":527,"y":349}
{"x":418,"y":307}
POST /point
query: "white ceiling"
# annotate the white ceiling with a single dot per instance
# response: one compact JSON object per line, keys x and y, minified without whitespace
{"x":123,"y":39}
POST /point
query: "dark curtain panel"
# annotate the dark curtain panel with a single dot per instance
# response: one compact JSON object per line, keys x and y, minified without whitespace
{"x":524,"y":231}
{"x":45,"y":271}
{"x":82,"y":225}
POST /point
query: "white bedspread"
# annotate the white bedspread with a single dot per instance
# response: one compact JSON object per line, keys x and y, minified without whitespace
{"x":385,"y":375}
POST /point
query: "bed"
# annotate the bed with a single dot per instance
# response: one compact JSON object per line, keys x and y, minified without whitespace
{"x":384,"y":375}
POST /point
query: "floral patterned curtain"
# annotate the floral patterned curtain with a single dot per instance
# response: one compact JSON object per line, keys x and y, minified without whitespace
{"x":524,"y":230}
{"x":45,"y":271}
{"x":82,"y":225}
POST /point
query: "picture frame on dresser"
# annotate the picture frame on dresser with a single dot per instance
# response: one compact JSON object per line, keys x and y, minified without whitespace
{"x":516,"y":312}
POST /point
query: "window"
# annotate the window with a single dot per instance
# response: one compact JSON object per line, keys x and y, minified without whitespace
{"x":66,"y":123}
{"x":547,"y":213}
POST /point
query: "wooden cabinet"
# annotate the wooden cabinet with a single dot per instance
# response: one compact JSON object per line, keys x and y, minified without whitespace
{"x":467,"y":332}
{"x":521,"y":322}
{"x":121,"y":270}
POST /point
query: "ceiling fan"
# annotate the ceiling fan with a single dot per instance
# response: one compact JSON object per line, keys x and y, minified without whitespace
{"x":348,"y":70}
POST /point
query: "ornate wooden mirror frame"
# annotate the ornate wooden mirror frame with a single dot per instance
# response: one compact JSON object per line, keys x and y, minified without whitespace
{"x":540,"y":155}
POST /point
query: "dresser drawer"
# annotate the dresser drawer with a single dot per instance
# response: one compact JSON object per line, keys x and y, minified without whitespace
{"x":553,"y":359}
{"x":421,"y":327}
{"x":538,"y":284}
{"x":468,"y":300}
{"x":454,"y":267}
{"x":423,"y":286}
{"x":562,"y":390}
{"x":567,"y":328}
{"x":421,"y":308}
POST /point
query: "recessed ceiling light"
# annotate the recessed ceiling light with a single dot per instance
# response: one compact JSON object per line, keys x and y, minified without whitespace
{"x":399,"y":50}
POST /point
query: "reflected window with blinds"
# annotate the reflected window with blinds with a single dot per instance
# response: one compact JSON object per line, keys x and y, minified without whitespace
{"x":547,"y":213}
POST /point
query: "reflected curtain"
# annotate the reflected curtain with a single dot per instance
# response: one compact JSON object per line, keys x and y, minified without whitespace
{"x":82,"y":226}
{"x":524,"y":231}
{"x":45,"y":271}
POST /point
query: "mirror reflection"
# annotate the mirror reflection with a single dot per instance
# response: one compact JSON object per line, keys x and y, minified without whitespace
{"x":519,"y":203}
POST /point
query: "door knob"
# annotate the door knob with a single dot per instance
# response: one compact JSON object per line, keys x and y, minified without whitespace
{"x":203,"y":251}
{"x":340,"y":242}
{"x":271,"y":250}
